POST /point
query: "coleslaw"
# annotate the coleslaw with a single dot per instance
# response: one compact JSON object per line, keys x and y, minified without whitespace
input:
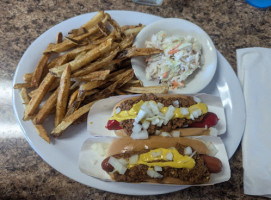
{"x":180,"y":58}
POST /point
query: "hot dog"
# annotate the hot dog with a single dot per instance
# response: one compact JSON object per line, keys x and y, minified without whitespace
{"x":180,"y":161}
{"x":168,"y":115}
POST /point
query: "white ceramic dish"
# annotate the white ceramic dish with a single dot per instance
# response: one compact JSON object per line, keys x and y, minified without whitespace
{"x":174,"y":26}
{"x":63,"y":154}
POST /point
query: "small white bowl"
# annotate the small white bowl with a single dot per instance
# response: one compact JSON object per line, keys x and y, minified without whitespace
{"x":174,"y":26}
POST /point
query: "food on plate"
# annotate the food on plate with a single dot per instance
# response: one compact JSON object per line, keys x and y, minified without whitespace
{"x":180,"y":58}
{"x":179,"y":161}
{"x":164,"y":115}
{"x":88,"y":64}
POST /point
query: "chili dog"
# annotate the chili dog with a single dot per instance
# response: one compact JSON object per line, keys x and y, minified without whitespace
{"x":168,"y":115}
{"x":179,"y":161}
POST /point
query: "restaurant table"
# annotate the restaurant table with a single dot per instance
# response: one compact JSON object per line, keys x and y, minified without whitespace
{"x":231,"y":24}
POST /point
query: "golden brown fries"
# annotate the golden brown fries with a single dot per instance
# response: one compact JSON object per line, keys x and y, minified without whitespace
{"x":151,"y":89}
{"x":46,"y":108}
{"x":92,"y":62}
{"x":62,"y":96}
{"x":36,"y":77}
{"x":85,"y":59}
{"x":22,"y":85}
{"x":28,"y":77}
{"x":66,"y":122}
{"x":38,"y":97}
{"x":42,"y":132}
{"x":59,"y":38}
{"x":24,"y":96}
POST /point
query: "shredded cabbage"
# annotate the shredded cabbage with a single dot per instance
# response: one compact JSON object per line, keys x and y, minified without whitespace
{"x":180,"y":58}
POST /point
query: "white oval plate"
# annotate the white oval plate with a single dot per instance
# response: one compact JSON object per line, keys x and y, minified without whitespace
{"x":174,"y":26}
{"x":63,"y":154}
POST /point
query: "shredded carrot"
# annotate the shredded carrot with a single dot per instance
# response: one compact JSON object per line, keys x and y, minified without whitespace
{"x":164,"y":74}
{"x":174,"y":50}
{"x":147,"y":59}
{"x":175,"y":84}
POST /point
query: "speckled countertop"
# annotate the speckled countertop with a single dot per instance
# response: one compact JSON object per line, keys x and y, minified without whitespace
{"x":23,"y":174}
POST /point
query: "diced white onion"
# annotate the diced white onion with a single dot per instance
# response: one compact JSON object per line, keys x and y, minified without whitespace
{"x":156,"y":154}
{"x":133,"y":159}
{"x":188,"y":151}
{"x":165,"y":134}
{"x":118,"y":110}
{"x":157,"y":132}
{"x":212,"y":149}
{"x":184,"y":111}
{"x":213,"y":131}
{"x":169,"y":156}
{"x":153,"y":174}
{"x":196,"y":99}
{"x":118,"y":166}
{"x":158,"y":168}
{"x":160,"y":123}
{"x":136,"y":128}
{"x":154,"y":107}
{"x":176,"y":103}
{"x":175,"y":133}
{"x":160,"y":105}
{"x":99,"y":148}
{"x":140,"y":135}
{"x":145,"y":125}
{"x":123,"y":161}
{"x":155,"y":121}
{"x":141,"y":114}
{"x":192,"y":116}
{"x":169,"y":114}
{"x":196,"y":113}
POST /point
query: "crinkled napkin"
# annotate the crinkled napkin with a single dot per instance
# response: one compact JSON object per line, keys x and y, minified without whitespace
{"x":254,"y":72}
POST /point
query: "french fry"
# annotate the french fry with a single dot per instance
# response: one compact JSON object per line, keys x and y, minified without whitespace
{"x":76,"y":101}
{"x":46,"y":108}
{"x":120,"y":92}
{"x":24,"y":96}
{"x":151,"y":89}
{"x":72,"y":98}
{"x":96,"y":65}
{"x":94,"y":76}
{"x":67,"y":44}
{"x":92,"y":85}
{"x":59,"y":38}
{"x":87,"y":58}
{"x":36,"y":77}
{"x":126,"y":27}
{"x":22,"y":85}
{"x":62,"y":97}
{"x":28,"y":77}
{"x":42,"y":132}
{"x":133,"y":52}
{"x":75,"y":85}
{"x":37,"y":98}
{"x":126,"y":42}
{"x":94,"y":20}
{"x":137,"y":83}
{"x":67,"y":121}
{"x":133,"y":31}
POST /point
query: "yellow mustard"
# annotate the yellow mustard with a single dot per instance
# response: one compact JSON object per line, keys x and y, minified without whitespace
{"x":132,"y":113}
{"x":178,"y":160}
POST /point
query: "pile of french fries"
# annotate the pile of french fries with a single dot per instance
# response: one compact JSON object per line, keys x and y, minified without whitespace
{"x":91,"y":63}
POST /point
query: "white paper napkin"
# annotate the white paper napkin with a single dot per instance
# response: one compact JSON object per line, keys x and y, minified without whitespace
{"x":254,"y":72}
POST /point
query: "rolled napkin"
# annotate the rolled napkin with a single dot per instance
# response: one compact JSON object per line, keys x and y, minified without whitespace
{"x":254,"y":72}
